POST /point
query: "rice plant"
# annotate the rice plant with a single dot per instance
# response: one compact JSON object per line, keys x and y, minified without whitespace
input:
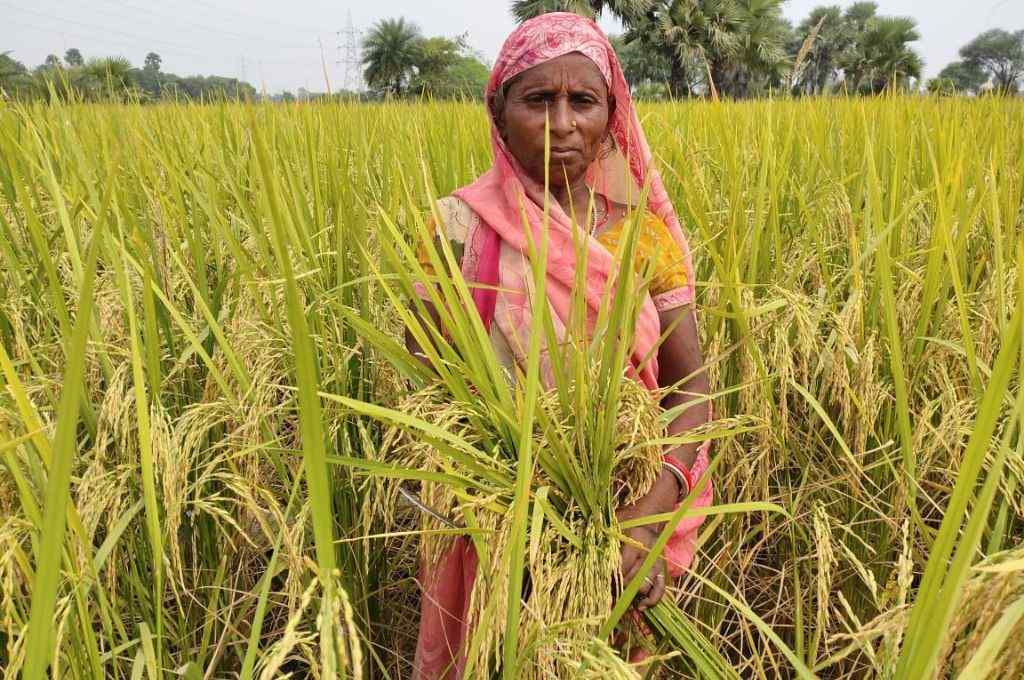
{"x":207,"y":402}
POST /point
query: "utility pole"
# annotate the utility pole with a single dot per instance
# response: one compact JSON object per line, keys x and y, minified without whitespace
{"x":348,"y":57}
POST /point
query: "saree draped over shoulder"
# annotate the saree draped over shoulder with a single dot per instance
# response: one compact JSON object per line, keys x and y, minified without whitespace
{"x":483,"y":223}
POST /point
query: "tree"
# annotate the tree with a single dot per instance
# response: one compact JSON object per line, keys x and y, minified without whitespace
{"x":105,"y":78}
{"x":960,"y":76}
{"x":624,"y":9}
{"x":891,"y":61}
{"x":152,"y":62}
{"x":390,"y":52}
{"x":640,"y":64}
{"x":700,"y":35}
{"x":855,"y":61}
{"x":1000,"y":55}
{"x":761,"y":59}
{"x":14,"y":77}
{"x":448,"y":68}
{"x":435,"y":56}
{"x":860,"y":13}
{"x":736,"y":46}
{"x":821,"y":63}
{"x":878,"y":55}
{"x":9,"y":66}
{"x":74,"y":58}
{"x":52,"y":61}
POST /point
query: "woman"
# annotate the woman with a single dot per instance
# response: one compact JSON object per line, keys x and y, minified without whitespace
{"x":561,"y":68}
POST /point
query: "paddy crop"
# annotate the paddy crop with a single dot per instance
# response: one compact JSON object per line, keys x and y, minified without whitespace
{"x":202,"y":369}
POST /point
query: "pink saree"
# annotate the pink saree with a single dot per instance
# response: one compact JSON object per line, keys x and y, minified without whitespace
{"x":495,"y":257}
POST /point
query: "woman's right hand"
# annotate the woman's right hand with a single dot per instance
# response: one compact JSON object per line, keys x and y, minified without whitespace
{"x":660,"y":499}
{"x":653,"y":587}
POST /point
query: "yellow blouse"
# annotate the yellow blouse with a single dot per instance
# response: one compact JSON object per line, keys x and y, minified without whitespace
{"x":655,"y":246}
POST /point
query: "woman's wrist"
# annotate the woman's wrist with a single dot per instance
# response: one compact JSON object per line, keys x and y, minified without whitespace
{"x":659,"y":500}
{"x":685,"y":456}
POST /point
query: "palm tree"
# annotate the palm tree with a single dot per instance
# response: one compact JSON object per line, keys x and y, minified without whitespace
{"x":887,"y":45}
{"x":761,"y":58}
{"x":624,"y":9}
{"x":114,"y":74}
{"x":701,"y":33}
{"x":390,"y":51}
{"x":821,"y":64}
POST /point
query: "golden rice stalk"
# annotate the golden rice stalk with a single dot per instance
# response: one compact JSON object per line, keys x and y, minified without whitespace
{"x":570,"y":579}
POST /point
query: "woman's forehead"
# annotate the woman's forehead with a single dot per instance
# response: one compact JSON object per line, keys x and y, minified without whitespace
{"x":569,"y":69}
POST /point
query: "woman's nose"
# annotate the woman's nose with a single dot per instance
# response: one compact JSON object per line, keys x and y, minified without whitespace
{"x":561,"y":118}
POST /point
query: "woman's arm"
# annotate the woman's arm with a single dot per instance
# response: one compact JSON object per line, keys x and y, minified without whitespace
{"x":410,"y":341}
{"x":679,"y":357}
{"x":680,"y":361}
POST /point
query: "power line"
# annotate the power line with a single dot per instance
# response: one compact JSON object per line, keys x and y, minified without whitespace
{"x":97,"y":27}
{"x":83,"y":36}
{"x":202,"y":27}
{"x":132,"y":40}
{"x":249,"y":16}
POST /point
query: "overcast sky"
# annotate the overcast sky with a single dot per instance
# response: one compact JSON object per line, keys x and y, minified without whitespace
{"x":276,"y":44}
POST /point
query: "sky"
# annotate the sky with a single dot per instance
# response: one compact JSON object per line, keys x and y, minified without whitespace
{"x":286,"y":45}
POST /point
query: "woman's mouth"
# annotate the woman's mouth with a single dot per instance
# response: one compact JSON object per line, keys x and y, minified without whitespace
{"x":563,"y":153}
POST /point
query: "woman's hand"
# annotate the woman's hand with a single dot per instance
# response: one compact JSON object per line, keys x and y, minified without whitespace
{"x":660,"y":499}
{"x":653,"y":587}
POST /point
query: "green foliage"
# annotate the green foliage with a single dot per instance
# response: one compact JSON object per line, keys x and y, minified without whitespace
{"x":152,"y":62}
{"x":399,"y":61}
{"x":447,"y":68}
{"x":882,"y":57}
{"x":744,"y":48}
{"x":959,"y":76}
{"x":761,"y":59}
{"x":624,"y":9}
{"x":827,"y":36}
{"x":641,"y":65}
{"x":15,"y":80}
{"x":390,"y":52}
{"x":111,"y":79}
{"x":999,"y":55}
{"x":73,"y":57}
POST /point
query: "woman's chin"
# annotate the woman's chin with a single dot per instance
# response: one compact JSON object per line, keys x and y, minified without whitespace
{"x":560,"y":171}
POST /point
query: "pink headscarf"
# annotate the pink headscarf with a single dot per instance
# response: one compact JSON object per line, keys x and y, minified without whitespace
{"x":497,"y":195}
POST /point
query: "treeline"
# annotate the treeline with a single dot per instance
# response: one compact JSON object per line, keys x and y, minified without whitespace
{"x":400,"y":61}
{"x":747,"y":48}
{"x":670,"y":48}
{"x":111,"y":79}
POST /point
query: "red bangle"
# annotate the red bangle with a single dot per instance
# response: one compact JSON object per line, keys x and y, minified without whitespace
{"x":681,"y":474}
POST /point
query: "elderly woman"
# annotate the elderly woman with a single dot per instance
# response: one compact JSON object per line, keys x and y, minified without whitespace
{"x":561,"y":68}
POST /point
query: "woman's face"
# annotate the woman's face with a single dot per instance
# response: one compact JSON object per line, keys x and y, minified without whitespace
{"x":568,"y":89}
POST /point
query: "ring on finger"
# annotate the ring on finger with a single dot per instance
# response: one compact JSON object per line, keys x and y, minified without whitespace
{"x":657,"y":577}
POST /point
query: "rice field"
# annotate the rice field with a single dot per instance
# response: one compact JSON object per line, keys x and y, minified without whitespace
{"x":207,"y":406}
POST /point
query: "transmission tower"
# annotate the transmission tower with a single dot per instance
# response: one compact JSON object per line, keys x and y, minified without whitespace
{"x":349,"y":40}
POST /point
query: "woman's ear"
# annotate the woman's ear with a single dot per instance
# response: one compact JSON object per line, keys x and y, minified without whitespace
{"x":611,"y":115}
{"x":497,"y":112}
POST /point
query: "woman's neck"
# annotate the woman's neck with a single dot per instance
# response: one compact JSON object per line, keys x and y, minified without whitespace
{"x":574,"y":199}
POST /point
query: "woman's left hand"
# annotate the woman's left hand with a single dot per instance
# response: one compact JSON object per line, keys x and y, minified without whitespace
{"x":660,"y":499}
{"x":653,"y":587}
